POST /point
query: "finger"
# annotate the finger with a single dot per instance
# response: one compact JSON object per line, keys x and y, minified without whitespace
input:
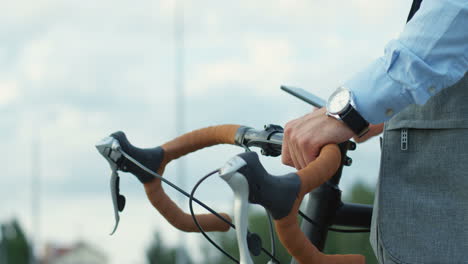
{"x":306,"y":145}
{"x":303,"y":147}
{"x":295,"y":143}
{"x":293,"y":148}
{"x":285,"y":155}
{"x":312,"y":154}
{"x":296,"y":165}
{"x":293,"y":154}
{"x":298,"y":156}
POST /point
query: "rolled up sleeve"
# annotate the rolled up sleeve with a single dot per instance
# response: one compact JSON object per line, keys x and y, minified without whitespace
{"x":430,"y":54}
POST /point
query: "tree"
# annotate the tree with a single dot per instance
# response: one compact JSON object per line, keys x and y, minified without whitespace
{"x":158,"y":253}
{"x":14,"y":247}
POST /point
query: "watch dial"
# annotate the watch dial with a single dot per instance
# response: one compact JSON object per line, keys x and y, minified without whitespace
{"x":339,"y":101}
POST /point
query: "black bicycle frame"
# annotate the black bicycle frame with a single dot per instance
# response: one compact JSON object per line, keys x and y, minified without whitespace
{"x":325,"y":208}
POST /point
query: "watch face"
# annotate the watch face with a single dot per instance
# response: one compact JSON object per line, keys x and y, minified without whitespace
{"x":338,"y":101}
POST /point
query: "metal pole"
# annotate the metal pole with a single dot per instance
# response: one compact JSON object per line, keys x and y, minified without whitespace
{"x":35,"y":200}
{"x":179,"y":82}
{"x":179,"y":78}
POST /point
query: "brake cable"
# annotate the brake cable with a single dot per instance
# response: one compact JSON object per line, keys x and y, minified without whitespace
{"x":176,"y":188}
{"x":308,"y":219}
{"x":191,"y":198}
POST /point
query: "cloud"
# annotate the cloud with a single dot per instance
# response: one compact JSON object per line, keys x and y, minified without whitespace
{"x":74,"y":72}
{"x":264,"y":64}
{"x":8,"y":92}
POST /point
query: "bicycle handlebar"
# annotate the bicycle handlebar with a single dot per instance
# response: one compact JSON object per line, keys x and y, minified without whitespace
{"x":156,"y":159}
{"x":315,"y":174}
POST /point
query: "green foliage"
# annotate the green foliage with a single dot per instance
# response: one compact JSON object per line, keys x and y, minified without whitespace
{"x":14,"y":247}
{"x":158,"y":253}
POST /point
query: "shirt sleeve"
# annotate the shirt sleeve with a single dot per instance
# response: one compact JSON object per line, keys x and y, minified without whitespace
{"x":430,"y":54}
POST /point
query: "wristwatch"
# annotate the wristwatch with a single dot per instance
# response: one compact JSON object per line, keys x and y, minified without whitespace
{"x":340,"y":106}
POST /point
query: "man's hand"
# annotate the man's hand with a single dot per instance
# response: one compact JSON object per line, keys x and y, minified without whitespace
{"x":305,"y":136}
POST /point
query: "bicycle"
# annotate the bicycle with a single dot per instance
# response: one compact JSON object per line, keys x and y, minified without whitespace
{"x":251,"y":183}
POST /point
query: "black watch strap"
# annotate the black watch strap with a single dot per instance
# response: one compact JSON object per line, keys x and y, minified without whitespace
{"x":355,"y":121}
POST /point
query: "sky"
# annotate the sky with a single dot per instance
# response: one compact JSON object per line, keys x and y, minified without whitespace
{"x":72,"y":72}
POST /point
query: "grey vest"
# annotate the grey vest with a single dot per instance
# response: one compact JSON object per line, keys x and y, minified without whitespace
{"x":421,"y":206}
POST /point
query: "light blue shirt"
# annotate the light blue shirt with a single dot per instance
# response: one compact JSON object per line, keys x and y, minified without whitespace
{"x":430,"y":54}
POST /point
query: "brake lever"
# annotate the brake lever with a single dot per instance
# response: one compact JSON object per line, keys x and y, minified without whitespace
{"x":240,"y":187}
{"x":109,"y":148}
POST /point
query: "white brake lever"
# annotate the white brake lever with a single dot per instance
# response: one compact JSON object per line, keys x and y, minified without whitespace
{"x":109,"y":148}
{"x":113,"y":188}
{"x":240,"y":187}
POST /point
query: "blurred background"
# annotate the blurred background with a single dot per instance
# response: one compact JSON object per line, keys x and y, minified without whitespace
{"x":72,"y":72}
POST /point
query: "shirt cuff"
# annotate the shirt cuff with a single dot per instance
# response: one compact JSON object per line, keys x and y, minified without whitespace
{"x":377,"y":97}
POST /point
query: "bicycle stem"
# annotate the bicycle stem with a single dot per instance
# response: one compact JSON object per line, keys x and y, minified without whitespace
{"x":269,"y":139}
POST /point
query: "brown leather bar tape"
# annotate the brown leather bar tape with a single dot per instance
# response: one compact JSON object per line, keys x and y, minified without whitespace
{"x":198,"y":139}
{"x":178,"y":218}
{"x":287,"y":228}
{"x":180,"y":146}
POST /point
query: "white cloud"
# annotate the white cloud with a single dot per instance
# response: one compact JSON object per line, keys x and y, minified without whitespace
{"x":9,"y":92}
{"x":73,"y":72}
{"x":264,"y":65}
